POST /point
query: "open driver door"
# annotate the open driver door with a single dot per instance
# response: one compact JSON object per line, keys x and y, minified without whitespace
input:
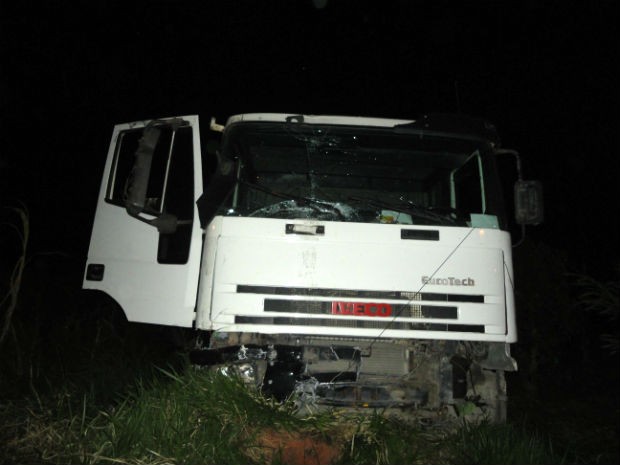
{"x":146,"y":242}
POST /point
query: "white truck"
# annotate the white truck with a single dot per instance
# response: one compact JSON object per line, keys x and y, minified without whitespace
{"x":352,"y":261}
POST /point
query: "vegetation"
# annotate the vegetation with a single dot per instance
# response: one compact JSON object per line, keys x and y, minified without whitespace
{"x":602,"y":299}
{"x":78,"y":384}
{"x":206,"y":417}
{"x":9,"y":301}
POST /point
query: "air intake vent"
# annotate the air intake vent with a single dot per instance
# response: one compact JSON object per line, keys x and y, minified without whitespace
{"x":419,"y":234}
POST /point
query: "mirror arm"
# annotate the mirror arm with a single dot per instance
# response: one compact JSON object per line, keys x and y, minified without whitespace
{"x":517,"y":157}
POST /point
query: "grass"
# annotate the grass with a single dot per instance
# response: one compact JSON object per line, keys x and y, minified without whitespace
{"x":485,"y":444}
{"x":204,"y":417}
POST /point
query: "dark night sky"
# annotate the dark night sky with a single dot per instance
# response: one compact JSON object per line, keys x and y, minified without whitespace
{"x":542,"y":71}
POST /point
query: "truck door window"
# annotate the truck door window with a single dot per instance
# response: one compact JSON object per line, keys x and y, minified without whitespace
{"x":126,"y":147}
{"x":170,"y":187}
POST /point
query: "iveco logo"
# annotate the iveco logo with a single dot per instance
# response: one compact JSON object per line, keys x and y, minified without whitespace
{"x":361,"y":309}
{"x":449,"y":281}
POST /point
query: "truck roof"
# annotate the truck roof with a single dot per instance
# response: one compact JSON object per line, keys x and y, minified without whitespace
{"x":318,"y":119}
{"x":455,"y":124}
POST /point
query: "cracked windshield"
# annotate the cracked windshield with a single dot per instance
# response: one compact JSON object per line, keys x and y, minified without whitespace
{"x":356,"y":174}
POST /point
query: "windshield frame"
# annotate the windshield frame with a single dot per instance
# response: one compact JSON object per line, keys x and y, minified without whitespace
{"x":492,"y":198}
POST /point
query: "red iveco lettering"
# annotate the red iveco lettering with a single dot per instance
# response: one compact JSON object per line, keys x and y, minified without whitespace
{"x":361,"y":309}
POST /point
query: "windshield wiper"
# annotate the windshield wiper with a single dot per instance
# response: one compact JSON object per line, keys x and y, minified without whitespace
{"x":303,"y":201}
{"x":410,"y":209}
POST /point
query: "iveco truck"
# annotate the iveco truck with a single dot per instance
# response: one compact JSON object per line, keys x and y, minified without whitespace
{"x":341,"y":261}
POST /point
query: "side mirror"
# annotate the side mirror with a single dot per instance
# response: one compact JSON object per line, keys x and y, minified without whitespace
{"x":139,"y":177}
{"x":528,"y":202}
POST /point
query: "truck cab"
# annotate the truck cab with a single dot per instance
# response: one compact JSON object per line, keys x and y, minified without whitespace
{"x":341,"y":260}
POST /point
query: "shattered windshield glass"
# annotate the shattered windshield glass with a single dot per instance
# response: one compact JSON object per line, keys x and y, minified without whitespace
{"x":358,"y":174}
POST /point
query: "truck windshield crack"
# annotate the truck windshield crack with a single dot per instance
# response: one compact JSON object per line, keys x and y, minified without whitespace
{"x":294,"y":205}
{"x":423,"y":213}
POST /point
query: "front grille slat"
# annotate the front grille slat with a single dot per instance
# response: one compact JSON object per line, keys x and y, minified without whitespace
{"x":357,"y":323}
{"x":364,"y":294}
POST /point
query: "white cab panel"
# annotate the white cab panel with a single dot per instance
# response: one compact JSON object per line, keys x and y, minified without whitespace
{"x":126,"y":250}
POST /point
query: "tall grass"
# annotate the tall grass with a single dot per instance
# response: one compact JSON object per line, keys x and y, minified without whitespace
{"x":603,"y":299}
{"x":8,"y":302}
{"x":485,"y":444}
{"x":204,"y":417}
{"x":196,"y":417}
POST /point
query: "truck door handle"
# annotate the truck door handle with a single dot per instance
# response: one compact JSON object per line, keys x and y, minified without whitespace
{"x":305,"y":229}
